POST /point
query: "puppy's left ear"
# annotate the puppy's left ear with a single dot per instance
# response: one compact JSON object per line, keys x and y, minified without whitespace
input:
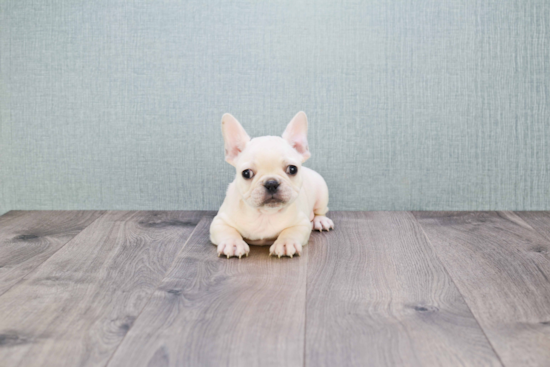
{"x":296,"y":134}
{"x":234,"y":136}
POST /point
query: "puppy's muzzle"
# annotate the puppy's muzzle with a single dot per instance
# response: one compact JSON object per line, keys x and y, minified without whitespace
{"x":271,"y":186}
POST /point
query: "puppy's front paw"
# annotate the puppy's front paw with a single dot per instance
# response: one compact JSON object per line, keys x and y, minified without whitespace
{"x":286,"y":248}
{"x":322,"y":223}
{"x":233,"y":247}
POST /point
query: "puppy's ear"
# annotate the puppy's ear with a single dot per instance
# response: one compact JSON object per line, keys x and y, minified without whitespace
{"x":234,"y":136}
{"x":296,"y":135}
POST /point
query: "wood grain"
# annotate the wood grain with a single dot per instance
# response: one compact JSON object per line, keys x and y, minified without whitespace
{"x":11,"y":215}
{"x":27,"y":239}
{"x":146,"y":289}
{"x":540,"y":222}
{"x":378,"y":296}
{"x":212,"y":311}
{"x":498,"y":263}
{"x":76,"y":308}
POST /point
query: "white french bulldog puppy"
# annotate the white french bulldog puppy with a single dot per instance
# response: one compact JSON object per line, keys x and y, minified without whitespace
{"x":273,"y":199}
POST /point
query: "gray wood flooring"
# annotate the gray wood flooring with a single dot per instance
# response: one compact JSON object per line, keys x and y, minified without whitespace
{"x":144,"y":288}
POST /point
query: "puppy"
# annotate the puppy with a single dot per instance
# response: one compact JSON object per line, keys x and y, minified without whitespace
{"x":273,"y":200}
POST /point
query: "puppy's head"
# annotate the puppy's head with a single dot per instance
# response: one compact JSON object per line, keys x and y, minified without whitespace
{"x":269,"y":167}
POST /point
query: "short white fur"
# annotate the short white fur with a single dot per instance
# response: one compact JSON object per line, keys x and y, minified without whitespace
{"x":253,"y":214}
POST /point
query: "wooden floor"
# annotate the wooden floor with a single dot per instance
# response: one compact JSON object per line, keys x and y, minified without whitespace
{"x":92,"y":288}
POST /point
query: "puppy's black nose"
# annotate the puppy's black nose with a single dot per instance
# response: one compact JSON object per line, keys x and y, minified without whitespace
{"x":271,"y":186}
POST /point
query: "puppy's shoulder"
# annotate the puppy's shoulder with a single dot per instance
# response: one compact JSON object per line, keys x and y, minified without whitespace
{"x":231,"y":188}
{"x":231,"y":197}
{"x":312,"y":176}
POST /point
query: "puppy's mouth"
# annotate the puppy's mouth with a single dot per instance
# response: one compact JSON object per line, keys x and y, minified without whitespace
{"x":272,"y":201}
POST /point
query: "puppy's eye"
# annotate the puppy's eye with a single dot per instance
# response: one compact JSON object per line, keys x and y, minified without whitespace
{"x":292,"y":170}
{"x":247,"y":174}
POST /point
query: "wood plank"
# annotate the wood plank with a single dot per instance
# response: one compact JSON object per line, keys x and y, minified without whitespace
{"x":212,"y":311}
{"x":540,"y":221}
{"x":495,"y":259}
{"x":27,"y":239}
{"x":75,"y":309}
{"x":11,"y":215}
{"x":377,"y":295}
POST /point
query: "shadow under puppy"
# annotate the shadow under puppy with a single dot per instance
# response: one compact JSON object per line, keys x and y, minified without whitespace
{"x":273,"y":200}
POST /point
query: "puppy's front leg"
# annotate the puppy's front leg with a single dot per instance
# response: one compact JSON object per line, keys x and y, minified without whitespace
{"x":291,"y":240}
{"x":320,"y":223}
{"x":228,"y":239}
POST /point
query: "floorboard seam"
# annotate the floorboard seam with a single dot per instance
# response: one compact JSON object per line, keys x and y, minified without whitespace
{"x":153,"y":292}
{"x":457,"y":288}
{"x":542,"y":234}
{"x":56,"y":251}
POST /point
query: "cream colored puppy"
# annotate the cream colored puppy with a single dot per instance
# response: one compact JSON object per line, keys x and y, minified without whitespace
{"x":273,"y":199}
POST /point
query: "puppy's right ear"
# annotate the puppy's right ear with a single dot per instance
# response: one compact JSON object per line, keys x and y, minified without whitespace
{"x":234,"y":136}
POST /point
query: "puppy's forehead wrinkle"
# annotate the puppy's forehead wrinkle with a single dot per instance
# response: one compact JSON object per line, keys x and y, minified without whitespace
{"x":268,"y":147}
{"x":269,"y":162}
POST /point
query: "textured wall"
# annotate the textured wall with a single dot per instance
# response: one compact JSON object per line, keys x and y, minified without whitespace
{"x":439,"y":104}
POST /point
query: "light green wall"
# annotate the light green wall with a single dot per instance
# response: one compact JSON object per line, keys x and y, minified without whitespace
{"x":412,"y":104}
